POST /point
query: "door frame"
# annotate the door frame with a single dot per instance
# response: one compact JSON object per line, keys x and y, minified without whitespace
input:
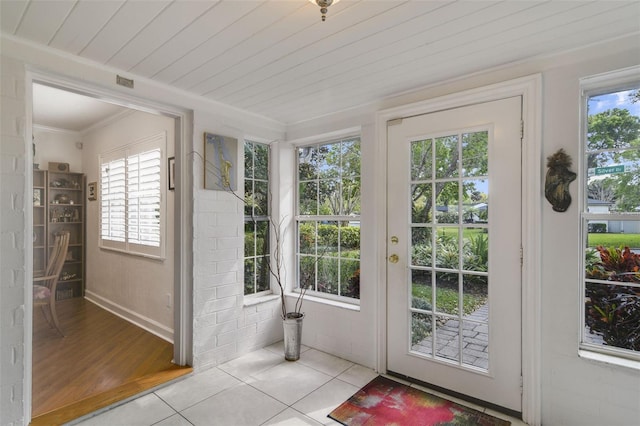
{"x":183,"y":212}
{"x":530,"y":88}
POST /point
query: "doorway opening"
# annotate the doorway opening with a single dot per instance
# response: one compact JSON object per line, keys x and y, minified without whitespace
{"x":121,"y":313}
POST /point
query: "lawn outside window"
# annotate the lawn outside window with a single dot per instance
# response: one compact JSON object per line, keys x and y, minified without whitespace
{"x":610,"y":308}
{"x":328,"y":219}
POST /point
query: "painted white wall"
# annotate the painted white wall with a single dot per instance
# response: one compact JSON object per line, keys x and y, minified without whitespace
{"x":58,"y":146}
{"x":137,"y":288}
{"x":575,"y":391}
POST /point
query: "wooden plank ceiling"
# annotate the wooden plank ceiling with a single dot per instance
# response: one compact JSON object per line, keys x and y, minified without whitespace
{"x":277,"y":59}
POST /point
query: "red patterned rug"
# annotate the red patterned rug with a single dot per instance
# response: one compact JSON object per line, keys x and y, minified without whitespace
{"x":386,"y":402}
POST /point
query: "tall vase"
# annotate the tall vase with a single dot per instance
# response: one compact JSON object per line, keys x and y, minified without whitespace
{"x":292,"y":335}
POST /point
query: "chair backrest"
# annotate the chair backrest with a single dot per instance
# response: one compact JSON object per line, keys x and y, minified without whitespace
{"x":58,"y":256}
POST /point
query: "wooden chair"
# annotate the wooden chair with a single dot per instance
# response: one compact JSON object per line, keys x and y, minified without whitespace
{"x":44,"y":288}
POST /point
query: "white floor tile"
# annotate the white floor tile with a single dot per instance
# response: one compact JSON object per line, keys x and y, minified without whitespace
{"x":289,"y":381}
{"x":257,"y":389}
{"x":143,"y":411}
{"x":196,"y":388}
{"x":358,"y":375}
{"x":291,"y":417}
{"x":175,"y":420}
{"x":323,"y":401}
{"x":252,"y":363}
{"x":240,"y":405}
{"x":278,"y":348}
{"x":324,"y":362}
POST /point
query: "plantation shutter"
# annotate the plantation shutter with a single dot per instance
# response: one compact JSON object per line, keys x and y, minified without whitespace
{"x":113,"y":202}
{"x":143,"y":194}
{"x":132,"y":204}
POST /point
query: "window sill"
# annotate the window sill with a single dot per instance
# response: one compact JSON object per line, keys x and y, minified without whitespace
{"x":252,"y":301}
{"x":609,"y":359}
{"x":159,"y":258}
{"x":322,"y":300}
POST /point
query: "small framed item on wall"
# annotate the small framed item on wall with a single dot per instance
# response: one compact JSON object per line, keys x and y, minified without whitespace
{"x":171,"y":171}
{"x":38,"y":197}
{"x":92,"y":191}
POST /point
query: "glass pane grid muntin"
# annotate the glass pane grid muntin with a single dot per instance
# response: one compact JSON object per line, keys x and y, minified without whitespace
{"x":454,"y":352}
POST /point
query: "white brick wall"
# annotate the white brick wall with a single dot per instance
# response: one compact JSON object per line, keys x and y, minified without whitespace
{"x":223,"y":328}
{"x":13,"y":182}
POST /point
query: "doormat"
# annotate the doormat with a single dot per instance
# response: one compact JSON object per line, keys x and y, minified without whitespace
{"x":386,"y":402}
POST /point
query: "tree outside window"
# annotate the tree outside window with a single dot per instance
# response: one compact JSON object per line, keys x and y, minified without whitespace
{"x":328,"y":218}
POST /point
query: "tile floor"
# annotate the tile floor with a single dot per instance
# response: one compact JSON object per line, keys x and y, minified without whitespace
{"x":260,"y":388}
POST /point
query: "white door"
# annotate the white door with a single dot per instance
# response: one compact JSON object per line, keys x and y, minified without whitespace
{"x":453,"y":250}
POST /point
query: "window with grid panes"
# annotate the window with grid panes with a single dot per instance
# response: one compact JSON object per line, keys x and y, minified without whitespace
{"x":328,"y":218}
{"x":611,"y":221}
{"x":256,"y":218}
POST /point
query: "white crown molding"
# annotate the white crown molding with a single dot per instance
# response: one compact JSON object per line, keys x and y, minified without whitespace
{"x":51,"y":129}
{"x":106,"y":121}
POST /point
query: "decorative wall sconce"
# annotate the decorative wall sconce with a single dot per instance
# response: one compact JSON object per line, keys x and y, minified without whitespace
{"x":556,"y":186}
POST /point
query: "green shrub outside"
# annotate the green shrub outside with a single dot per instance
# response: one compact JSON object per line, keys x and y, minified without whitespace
{"x":613,"y":311}
{"x":328,"y":236}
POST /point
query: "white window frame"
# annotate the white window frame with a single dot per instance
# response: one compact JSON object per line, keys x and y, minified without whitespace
{"x":298,"y":218}
{"x":593,"y":86}
{"x":153,"y":142}
{"x":267,"y":218}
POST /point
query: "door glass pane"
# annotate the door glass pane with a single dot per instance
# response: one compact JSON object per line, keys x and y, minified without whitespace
{"x":475,"y":201}
{"x":447,"y":156}
{"x":421,"y":203}
{"x":421,"y":160}
{"x":450,"y":262}
{"x":474,"y":153}
{"x":476,"y":250}
{"x":421,"y":246}
{"x":447,"y":247}
{"x":421,"y":290}
{"x":421,"y":335}
{"x":475,"y":339}
{"x":448,"y":338}
{"x":447,"y":202}
{"x":447,"y":293}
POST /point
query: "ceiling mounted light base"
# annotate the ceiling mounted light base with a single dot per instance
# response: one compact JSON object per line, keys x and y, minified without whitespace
{"x":324,"y":4}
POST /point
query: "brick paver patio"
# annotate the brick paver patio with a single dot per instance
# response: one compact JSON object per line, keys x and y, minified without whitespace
{"x":475,"y":339}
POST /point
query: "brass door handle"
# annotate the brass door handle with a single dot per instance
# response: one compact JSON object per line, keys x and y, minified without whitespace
{"x":393,"y":258}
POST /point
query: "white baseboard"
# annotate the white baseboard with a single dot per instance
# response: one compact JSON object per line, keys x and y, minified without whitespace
{"x":134,"y":318}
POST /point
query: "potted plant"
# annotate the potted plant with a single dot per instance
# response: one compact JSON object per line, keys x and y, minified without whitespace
{"x":291,"y":320}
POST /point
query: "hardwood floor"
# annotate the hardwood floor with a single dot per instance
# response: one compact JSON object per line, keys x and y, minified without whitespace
{"x":101,"y":359}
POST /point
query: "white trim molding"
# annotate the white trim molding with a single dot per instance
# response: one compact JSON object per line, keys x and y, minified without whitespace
{"x":135,"y":318}
{"x":530,"y":88}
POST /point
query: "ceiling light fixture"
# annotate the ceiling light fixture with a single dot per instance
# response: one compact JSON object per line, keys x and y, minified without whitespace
{"x":324,"y":4}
